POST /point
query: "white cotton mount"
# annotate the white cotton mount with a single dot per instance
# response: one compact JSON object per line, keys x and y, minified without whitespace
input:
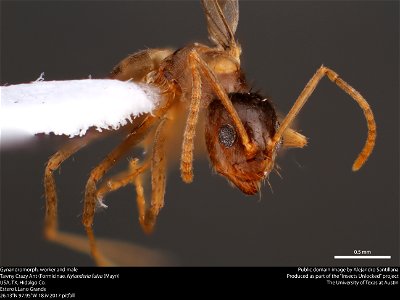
{"x":71,"y":107}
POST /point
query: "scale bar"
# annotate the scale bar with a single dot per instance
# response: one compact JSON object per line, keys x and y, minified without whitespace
{"x":362,"y":257}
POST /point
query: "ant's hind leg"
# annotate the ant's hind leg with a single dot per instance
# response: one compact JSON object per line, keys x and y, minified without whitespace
{"x":123,"y":178}
{"x":51,"y":224}
{"x":158,"y":180}
{"x":97,"y":174}
{"x":147,"y":216}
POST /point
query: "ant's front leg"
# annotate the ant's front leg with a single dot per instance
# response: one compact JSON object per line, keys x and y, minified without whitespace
{"x":197,"y":65}
{"x":250,"y":148}
{"x":191,"y":122}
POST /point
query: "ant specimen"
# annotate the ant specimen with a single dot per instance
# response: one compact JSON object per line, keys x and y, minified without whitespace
{"x":242,"y":132}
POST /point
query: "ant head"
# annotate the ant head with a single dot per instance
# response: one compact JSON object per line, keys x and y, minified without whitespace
{"x":225,"y":149}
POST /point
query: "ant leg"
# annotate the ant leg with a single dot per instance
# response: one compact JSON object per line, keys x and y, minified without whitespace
{"x":140,"y":198}
{"x":98,"y":172}
{"x":147,"y":216}
{"x":122,"y":179}
{"x":158,"y":180}
{"x":190,"y":129}
{"x":51,"y":226}
{"x":133,"y":176}
{"x":223,"y":97}
{"x":306,"y":93}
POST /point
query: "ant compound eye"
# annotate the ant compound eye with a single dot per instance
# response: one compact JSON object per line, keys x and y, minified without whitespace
{"x":227,"y":135}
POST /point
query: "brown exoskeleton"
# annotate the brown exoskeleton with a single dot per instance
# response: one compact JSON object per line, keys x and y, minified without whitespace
{"x":242,"y":131}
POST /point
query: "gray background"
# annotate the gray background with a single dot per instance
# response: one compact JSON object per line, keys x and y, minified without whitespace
{"x":319,"y":209}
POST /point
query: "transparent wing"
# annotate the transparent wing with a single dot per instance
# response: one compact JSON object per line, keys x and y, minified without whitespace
{"x":222,"y":20}
{"x":71,"y":107}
